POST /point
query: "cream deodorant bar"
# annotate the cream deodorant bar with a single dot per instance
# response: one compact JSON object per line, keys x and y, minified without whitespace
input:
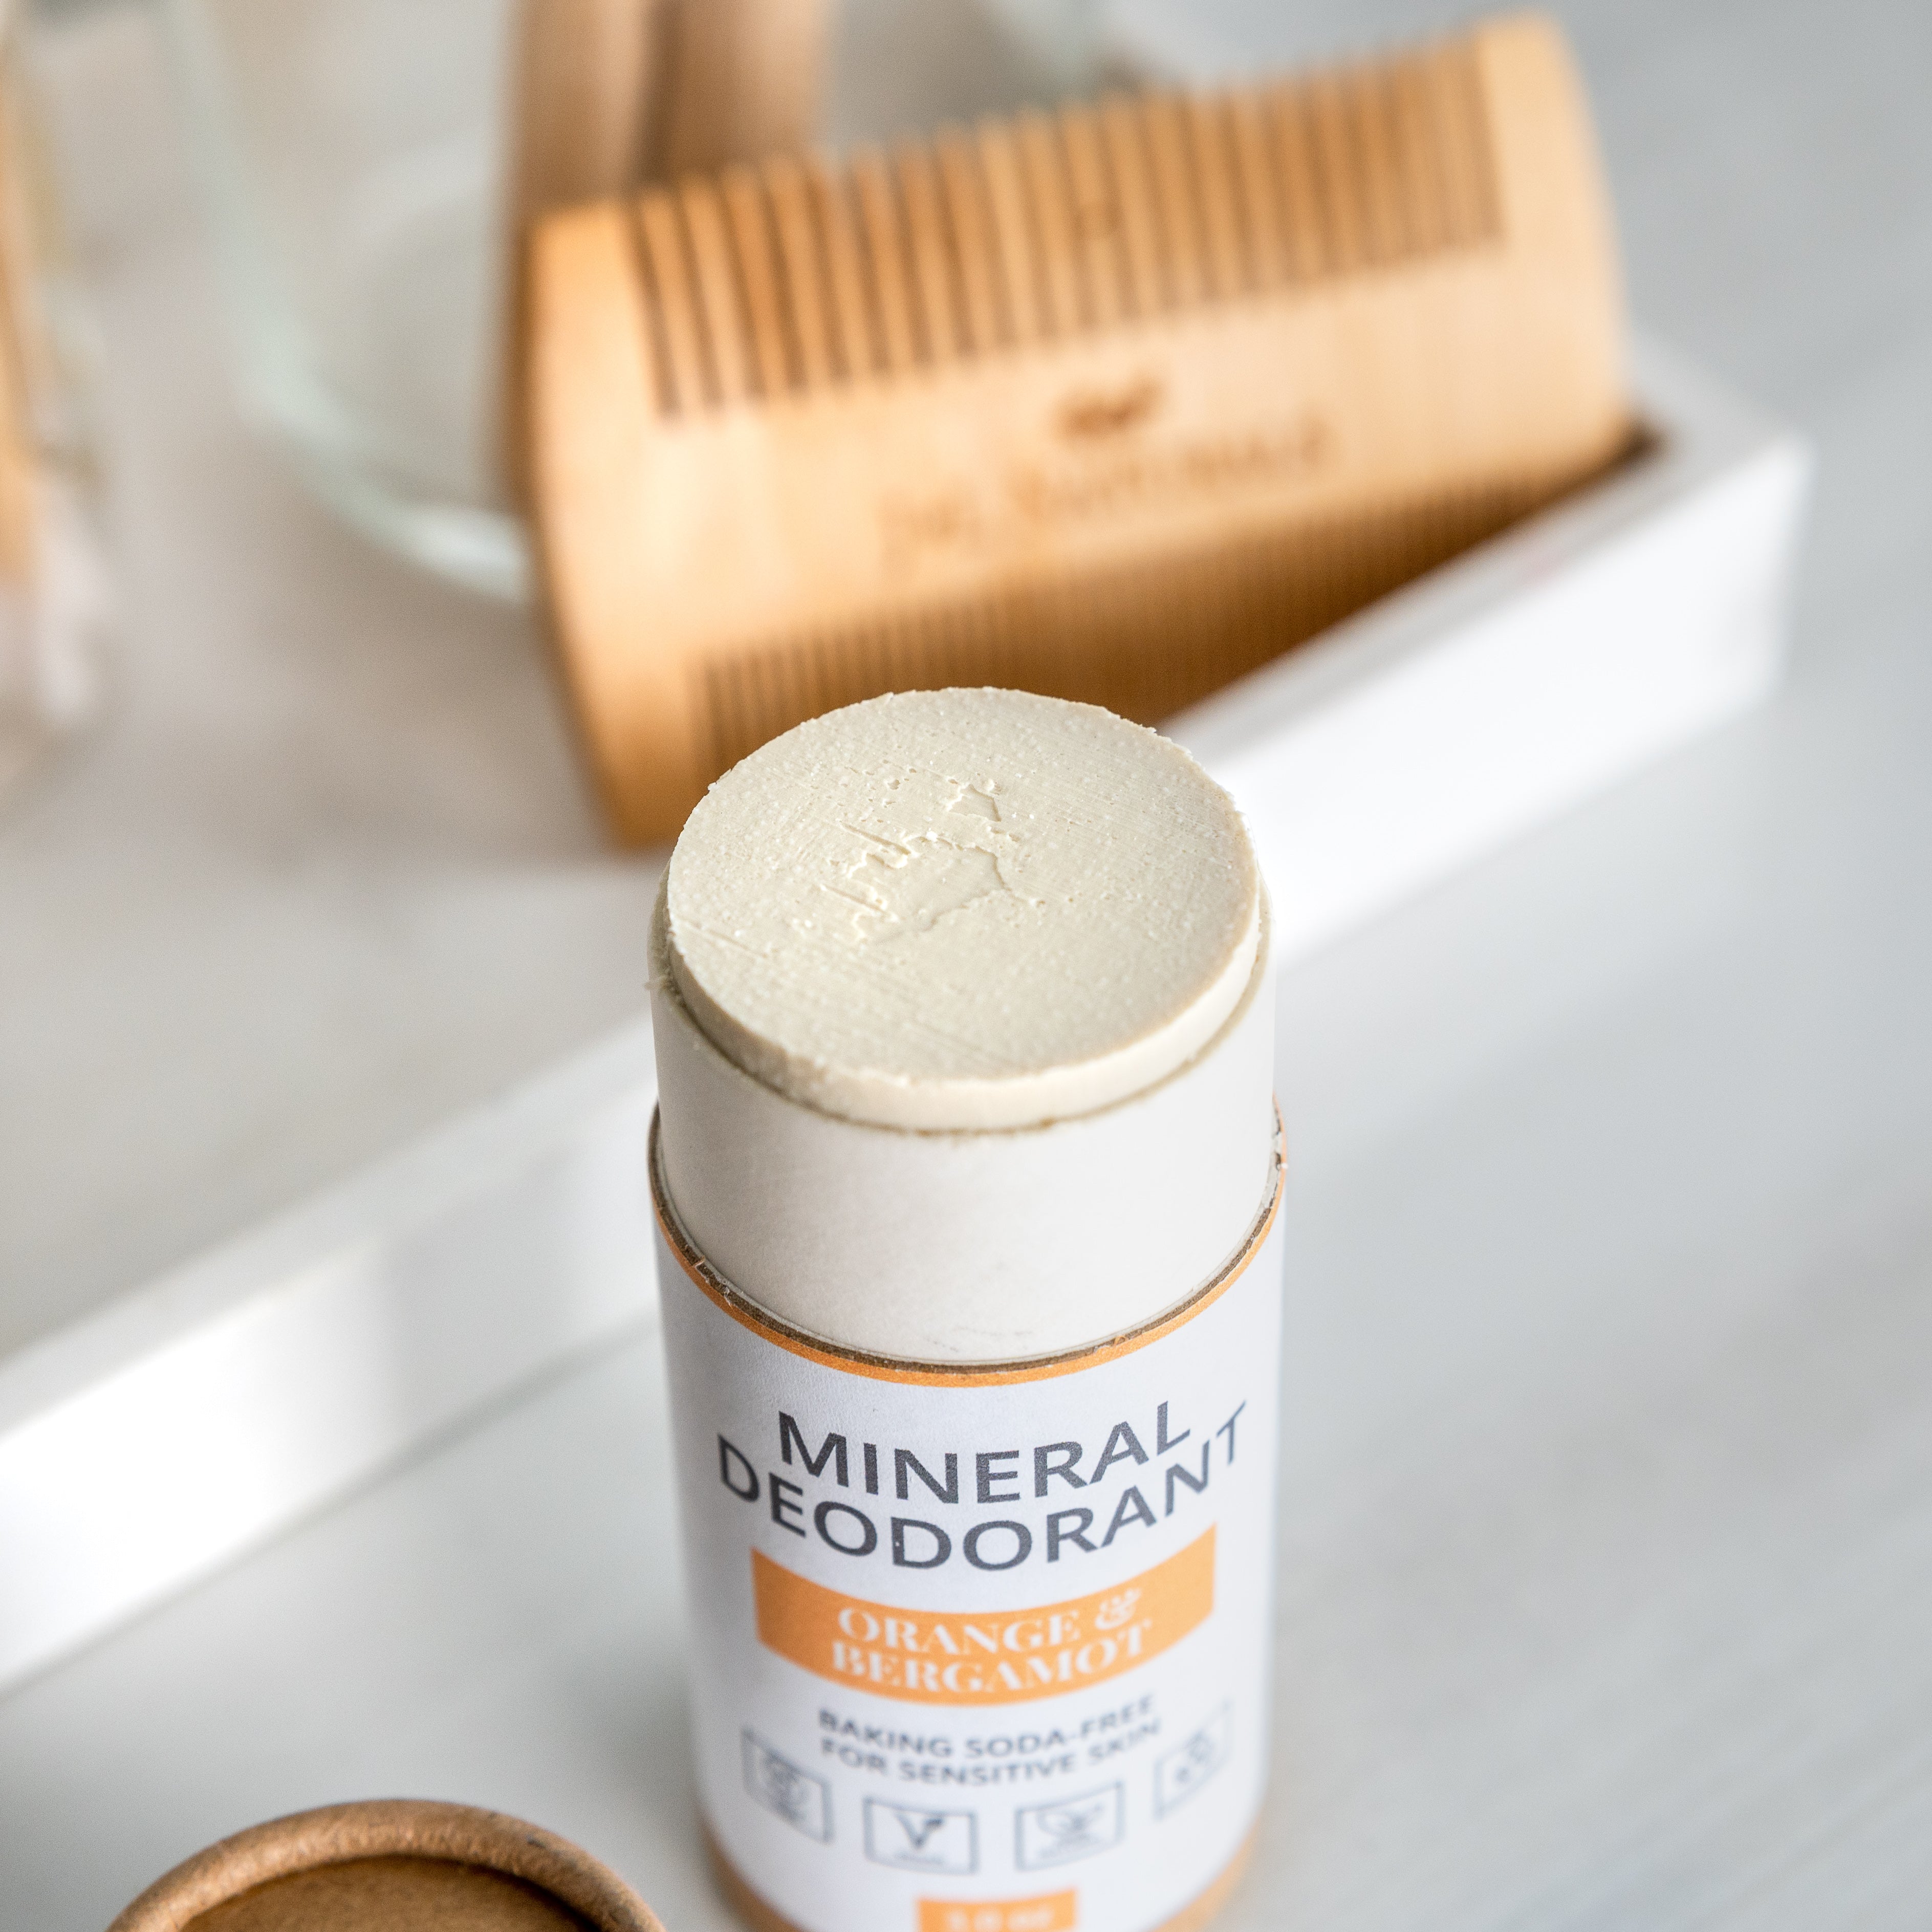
{"x":967,"y":1169}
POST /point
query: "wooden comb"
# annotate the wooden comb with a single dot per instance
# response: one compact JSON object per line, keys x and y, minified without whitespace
{"x":1114,"y":404}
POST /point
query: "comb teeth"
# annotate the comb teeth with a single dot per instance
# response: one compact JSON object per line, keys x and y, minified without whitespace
{"x":794,"y":277}
{"x":1148,"y":643}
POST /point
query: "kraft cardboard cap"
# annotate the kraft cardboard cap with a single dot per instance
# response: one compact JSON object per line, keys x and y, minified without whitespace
{"x":391,"y":1865}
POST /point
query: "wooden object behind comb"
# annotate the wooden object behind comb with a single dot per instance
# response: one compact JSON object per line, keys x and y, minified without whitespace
{"x":1114,"y":405}
{"x":611,"y":94}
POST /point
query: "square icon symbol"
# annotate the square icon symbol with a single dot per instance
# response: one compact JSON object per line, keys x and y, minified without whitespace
{"x":802,"y":1801}
{"x":920,"y":1839}
{"x":1180,"y":1773}
{"x":1056,"y":1833}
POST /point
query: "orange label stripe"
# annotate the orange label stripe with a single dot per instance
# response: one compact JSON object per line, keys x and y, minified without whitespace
{"x":983,"y":1656}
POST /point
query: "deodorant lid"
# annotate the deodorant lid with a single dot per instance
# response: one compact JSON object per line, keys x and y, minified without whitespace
{"x":963,"y":910}
{"x":391,"y":1865}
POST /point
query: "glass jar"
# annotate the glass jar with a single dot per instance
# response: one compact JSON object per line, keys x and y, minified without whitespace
{"x":357,"y":157}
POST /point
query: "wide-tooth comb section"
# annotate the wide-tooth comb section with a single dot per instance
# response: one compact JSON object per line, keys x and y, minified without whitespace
{"x":856,"y":325}
{"x":796,"y":276}
{"x":935,"y":273}
{"x":1013,"y":231}
{"x":1463,"y":144}
{"x":1123,"y":137}
{"x":1043,"y":182}
{"x":1339,"y":186}
{"x":886,"y":264}
{"x":1310,"y":248}
{"x":754,"y":244}
{"x":672,"y":303}
{"x":1211,"y":161}
{"x":1176,"y":216}
{"x":1369,"y":105}
{"x":971,"y":215}
{"x":806,"y":291}
{"x":1257,"y":182}
{"x":1417,"y":167}
{"x":723,"y":334}
{"x":1096,"y":217}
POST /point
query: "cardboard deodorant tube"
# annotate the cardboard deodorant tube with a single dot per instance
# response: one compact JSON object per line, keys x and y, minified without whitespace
{"x":967,"y":1170}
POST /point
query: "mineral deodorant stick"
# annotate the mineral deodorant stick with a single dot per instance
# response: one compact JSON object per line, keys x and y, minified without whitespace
{"x":967,"y":1170}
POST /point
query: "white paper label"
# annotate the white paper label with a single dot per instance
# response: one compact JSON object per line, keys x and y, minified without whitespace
{"x":979,"y":1651}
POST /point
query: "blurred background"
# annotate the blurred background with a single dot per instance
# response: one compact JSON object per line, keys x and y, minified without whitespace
{"x":1608,"y":1480}
{"x":334,"y":810}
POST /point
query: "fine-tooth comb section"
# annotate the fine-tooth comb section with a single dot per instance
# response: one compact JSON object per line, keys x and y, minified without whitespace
{"x":792,"y":277}
{"x":1203,"y":623}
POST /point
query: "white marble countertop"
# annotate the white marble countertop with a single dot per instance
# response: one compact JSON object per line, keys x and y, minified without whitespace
{"x":1606,"y":1513}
